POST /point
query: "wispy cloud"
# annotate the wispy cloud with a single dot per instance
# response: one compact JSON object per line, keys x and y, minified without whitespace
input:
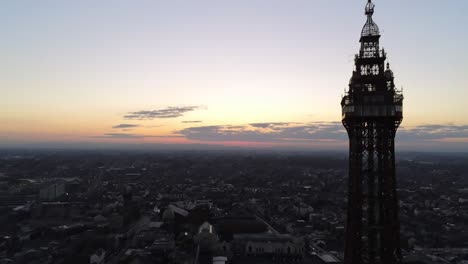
{"x":122,"y":136}
{"x":191,"y":121}
{"x":270,"y":125}
{"x":169,"y":112}
{"x":133,"y":136}
{"x":125,"y":126}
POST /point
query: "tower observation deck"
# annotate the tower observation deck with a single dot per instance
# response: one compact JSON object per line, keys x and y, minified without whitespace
{"x":372,"y":110}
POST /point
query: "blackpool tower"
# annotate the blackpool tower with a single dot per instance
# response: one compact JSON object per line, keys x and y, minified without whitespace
{"x":371,"y":113}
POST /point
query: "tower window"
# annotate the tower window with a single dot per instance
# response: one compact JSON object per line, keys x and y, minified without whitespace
{"x":370,"y":87}
{"x":365,"y":70}
{"x":375,"y":69}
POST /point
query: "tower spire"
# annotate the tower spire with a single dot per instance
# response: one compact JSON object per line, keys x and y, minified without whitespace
{"x":369,"y":8}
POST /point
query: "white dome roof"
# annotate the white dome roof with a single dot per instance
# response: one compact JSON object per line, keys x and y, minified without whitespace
{"x":370,"y":29}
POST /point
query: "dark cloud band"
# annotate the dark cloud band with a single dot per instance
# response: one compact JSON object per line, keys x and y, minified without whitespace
{"x":276,"y":132}
{"x":319,"y":131}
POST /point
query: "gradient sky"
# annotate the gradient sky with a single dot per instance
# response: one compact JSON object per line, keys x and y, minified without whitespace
{"x":249,"y":72}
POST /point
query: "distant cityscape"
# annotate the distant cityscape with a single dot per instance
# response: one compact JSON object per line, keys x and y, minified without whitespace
{"x":205,"y":206}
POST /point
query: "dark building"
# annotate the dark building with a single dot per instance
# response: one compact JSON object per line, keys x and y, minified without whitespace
{"x":372,"y":112}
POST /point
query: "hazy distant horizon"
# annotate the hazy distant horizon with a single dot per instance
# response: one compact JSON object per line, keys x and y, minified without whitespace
{"x":89,"y":146}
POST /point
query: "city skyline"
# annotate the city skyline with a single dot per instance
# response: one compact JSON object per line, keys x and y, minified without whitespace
{"x":257,"y":74}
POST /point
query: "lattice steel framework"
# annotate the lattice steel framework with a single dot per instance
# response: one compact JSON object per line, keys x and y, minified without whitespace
{"x":372,"y":111}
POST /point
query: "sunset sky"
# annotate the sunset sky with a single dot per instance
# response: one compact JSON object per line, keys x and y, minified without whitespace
{"x":255,"y":73}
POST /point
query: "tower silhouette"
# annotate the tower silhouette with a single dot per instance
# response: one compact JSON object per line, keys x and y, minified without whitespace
{"x":371,"y":114}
